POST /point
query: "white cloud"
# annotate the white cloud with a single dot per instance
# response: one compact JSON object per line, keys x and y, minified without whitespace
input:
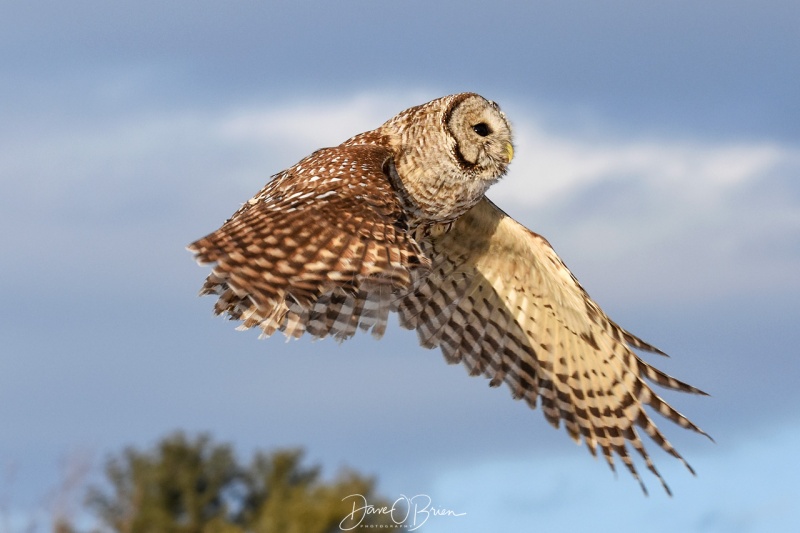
{"x":311,"y":125}
{"x":657,"y":202}
{"x":663,"y":200}
{"x":550,"y":167}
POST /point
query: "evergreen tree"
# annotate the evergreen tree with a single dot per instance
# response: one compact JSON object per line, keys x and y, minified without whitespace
{"x":187,"y":485}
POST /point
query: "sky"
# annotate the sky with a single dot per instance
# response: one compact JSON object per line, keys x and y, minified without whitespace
{"x":657,"y":149}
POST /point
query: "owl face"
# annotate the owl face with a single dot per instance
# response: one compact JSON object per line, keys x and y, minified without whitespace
{"x":482,"y":135}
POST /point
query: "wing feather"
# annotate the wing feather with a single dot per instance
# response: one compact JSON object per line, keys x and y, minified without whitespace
{"x":320,"y":249}
{"x":501,"y":301}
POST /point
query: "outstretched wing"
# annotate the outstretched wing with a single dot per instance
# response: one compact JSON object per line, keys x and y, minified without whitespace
{"x":322,"y":248}
{"x":500,"y":300}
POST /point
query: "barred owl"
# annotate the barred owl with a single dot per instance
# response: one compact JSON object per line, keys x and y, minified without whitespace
{"x":395,"y":220}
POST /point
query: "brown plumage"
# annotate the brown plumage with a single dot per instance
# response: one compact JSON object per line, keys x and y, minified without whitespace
{"x":395,"y":219}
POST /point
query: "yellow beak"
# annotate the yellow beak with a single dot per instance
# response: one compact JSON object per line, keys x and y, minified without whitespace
{"x":509,"y":152}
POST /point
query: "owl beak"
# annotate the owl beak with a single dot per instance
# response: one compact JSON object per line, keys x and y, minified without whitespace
{"x":509,"y":152}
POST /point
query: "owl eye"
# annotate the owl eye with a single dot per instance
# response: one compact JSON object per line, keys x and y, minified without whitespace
{"x":481,"y":129}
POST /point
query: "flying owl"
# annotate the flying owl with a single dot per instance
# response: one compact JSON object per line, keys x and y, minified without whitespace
{"x":396,"y":220}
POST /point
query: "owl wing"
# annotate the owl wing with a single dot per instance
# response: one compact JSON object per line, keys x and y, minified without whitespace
{"x":323,"y":248}
{"x":500,"y":300}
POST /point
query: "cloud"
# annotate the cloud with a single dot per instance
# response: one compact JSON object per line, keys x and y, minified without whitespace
{"x":724,"y":213}
{"x":553,"y":166}
{"x":550,"y":167}
{"x":608,"y":199}
{"x":657,"y":202}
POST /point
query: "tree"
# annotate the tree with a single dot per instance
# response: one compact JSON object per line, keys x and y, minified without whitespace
{"x":284,"y":496}
{"x":189,"y":485}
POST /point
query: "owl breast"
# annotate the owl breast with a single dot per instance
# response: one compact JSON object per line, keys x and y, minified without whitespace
{"x":437,"y":198}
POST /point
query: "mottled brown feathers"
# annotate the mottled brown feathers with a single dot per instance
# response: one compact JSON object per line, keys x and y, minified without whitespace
{"x":330,"y":229}
{"x":395,"y":220}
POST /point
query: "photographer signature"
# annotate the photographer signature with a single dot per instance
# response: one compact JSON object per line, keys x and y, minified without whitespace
{"x":407,"y":512}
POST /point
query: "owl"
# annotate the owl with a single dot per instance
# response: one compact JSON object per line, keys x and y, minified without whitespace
{"x":395,"y":220}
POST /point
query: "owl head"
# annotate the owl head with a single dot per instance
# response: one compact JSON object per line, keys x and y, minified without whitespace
{"x":448,"y":152}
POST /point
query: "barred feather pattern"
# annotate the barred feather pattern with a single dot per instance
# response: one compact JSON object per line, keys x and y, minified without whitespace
{"x":395,"y":220}
{"x":499,"y":300}
{"x":323,"y":248}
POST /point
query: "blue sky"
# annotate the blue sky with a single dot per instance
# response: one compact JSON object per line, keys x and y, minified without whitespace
{"x":658,"y":149}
